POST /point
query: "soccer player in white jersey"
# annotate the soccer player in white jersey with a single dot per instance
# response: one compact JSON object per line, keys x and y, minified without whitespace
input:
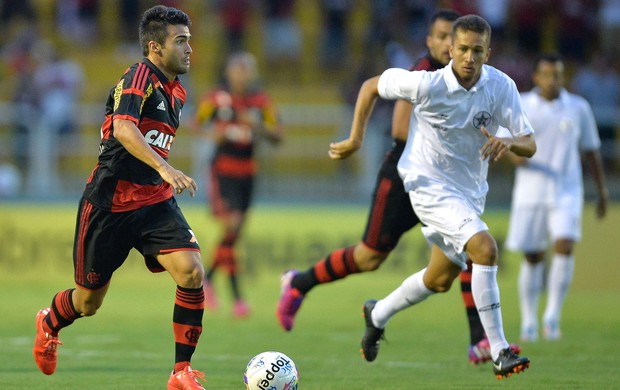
{"x":444,"y":168}
{"x":547,"y":198}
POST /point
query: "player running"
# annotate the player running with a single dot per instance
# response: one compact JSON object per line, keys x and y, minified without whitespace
{"x":129,"y":199}
{"x":390,"y":215}
{"x":235,"y":116}
{"x":444,"y":168}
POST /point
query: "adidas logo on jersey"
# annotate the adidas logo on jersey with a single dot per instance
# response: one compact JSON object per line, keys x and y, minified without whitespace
{"x":161,"y":106}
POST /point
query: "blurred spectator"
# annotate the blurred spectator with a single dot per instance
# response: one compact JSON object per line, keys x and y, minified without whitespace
{"x":58,"y":82}
{"x":599,"y":83}
{"x":530,"y":17}
{"x":609,"y":27}
{"x":495,"y":12}
{"x":514,"y":61}
{"x":234,"y":17}
{"x":281,"y":35}
{"x":20,"y":60}
{"x":10,"y":181}
{"x":335,"y":41}
{"x":577,"y":27}
{"x":77,"y":20}
{"x":15,"y":12}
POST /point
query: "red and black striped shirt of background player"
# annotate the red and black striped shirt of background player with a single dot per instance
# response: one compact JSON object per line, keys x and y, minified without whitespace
{"x":427,"y":63}
{"x":220,"y":109}
{"x":143,"y":95}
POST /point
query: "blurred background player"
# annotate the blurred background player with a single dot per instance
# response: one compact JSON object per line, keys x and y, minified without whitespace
{"x":234,"y":116}
{"x":547,"y":198}
{"x":128,"y":201}
{"x":390,"y":215}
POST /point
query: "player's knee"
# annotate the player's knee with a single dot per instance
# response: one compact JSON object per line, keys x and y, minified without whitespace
{"x":484,"y":252}
{"x":439,"y":284}
{"x":564,"y":247}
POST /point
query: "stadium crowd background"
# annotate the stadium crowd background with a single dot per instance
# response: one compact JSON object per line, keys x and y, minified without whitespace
{"x":59,"y":58}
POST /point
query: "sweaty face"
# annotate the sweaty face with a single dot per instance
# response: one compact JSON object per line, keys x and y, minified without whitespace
{"x":469,"y":51}
{"x":176,"y":50}
{"x":439,"y":39}
{"x":549,"y":77}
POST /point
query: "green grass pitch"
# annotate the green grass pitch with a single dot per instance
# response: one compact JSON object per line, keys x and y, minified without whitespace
{"x":129,"y":343}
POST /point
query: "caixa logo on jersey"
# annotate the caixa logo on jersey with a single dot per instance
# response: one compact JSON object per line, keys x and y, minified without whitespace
{"x":159,"y":139}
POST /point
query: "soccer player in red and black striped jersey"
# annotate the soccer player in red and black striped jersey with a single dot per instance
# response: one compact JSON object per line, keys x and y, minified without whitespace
{"x":235,"y":116}
{"x":129,"y":199}
{"x":391,"y":214}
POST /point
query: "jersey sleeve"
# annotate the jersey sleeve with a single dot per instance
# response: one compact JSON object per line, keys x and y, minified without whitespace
{"x":206,"y":109}
{"x":131,"y":92}
{"x":510,"y":111}
{"x":396,"y":83}
{"x":589,"y":139}
{"x":271,"y":119}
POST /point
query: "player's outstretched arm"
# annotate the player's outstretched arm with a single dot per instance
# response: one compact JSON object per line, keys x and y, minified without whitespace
{"x":130,"y":137}
{"x":363,"y":108}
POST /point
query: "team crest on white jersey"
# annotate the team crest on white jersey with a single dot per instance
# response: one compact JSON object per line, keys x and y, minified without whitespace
{"x":482,"y":119}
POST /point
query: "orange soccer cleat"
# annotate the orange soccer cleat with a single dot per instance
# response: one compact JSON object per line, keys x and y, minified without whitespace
{"x":45,"y":353}
{"x":186,"y":379}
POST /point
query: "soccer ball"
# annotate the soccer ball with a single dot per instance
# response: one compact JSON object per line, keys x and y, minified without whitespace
{"x":271,"y":371}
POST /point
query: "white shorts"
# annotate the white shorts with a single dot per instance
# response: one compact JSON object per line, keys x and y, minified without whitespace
{"x":450,"y":219}
{"x":532,"y":227}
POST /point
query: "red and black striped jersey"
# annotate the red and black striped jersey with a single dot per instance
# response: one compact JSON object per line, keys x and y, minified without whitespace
{"x":427,"y":63}
{"x":221,"y":110}
{"x":143,"y":95}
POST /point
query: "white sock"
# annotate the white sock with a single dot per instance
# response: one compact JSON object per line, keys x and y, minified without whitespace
{"x":530,"y":285}
{"x":558,"y":282}
{"x":410,"y":292}
{"x":485,"y":291}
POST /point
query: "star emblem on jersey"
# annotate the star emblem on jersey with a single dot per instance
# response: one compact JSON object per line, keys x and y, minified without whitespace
{"x":482,"y":119}
{"x":161,"y":106}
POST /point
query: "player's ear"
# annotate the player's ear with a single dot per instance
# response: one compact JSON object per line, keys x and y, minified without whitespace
{"x":154,"y":47}
{"x":488,"y":55}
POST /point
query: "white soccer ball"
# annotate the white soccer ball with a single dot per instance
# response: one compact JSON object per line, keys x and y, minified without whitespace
{"x":271,"y":371}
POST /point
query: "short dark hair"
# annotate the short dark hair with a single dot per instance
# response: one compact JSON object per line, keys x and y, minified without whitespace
{"x":547,"y":57}
{"x":473,"y":23}
{"x":154,"y":23}
{"x":445,"y":14}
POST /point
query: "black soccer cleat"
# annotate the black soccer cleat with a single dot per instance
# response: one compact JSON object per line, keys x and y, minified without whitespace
{"x":372,"y":335}
{"x":508,"y":363}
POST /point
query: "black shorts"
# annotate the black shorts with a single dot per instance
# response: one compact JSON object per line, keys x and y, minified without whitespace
{"x":103,"y":239}
{"x":230,"y":194}
{"x":391,"y":214}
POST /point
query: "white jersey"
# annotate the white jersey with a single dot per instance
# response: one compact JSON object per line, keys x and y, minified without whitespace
{"x":445,"y":148}
{"x":564,"y":127}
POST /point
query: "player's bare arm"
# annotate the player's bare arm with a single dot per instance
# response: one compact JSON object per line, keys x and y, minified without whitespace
{"x":593,"y":158}
{"x":400,"y":119}
{"x":363,"y":108}
{"x":130,"y":137}
{"x":496,"y":147}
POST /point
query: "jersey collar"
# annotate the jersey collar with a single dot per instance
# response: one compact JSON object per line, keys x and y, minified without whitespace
{"x":160,"y":76}
{"x":453,"y":84}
